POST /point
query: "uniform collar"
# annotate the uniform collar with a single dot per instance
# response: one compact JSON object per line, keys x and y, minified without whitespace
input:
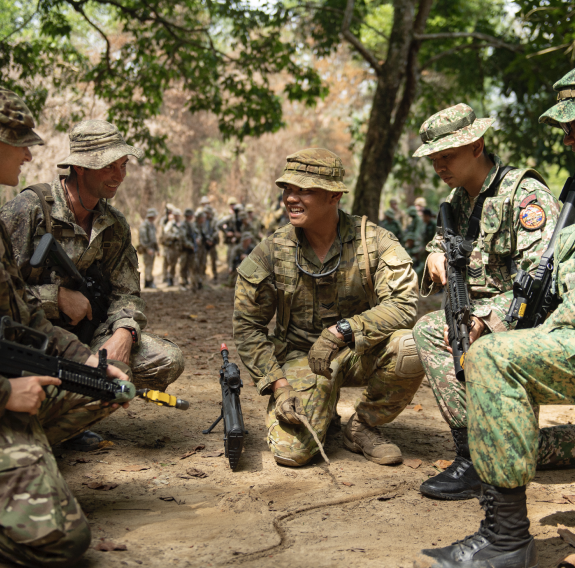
{"x":492,"y":172}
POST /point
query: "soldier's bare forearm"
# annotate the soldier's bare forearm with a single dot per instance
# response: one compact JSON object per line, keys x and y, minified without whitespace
{"x":279,"y":384}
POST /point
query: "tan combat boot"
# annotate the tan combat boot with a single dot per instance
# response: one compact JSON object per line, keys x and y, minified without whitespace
{"x":363,"y":439}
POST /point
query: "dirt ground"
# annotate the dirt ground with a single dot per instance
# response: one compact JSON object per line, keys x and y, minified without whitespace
{"x":353,"y":513}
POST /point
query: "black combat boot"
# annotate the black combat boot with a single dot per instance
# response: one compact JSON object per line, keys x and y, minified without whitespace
{"x":460,"y":480}
{"x":502,"y":541}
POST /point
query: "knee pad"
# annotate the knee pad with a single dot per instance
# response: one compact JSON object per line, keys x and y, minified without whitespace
{"x":408,"y":364}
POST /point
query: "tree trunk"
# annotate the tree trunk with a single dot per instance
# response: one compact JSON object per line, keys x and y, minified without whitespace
{"x":395,"y":92}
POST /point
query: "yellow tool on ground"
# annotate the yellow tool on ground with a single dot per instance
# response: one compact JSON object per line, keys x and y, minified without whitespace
{"x":163,"y":399}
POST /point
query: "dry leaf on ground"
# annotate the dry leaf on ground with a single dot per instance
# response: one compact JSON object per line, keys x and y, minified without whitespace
{"x":134,"y":468}
{"x":192,"y":451}
{"x":105,"y":444}
{"x":193,"y":472}
{"x":101,"y":486}
{"x":107,"y":546}
{"x":348,"y":483}
{"x":210,"y":307}
{"x":570,"y":498}
{"x":215,"y":454}
{"x":414,"y":463}
{"x":443,"y":464}
{"x":418,"y":408}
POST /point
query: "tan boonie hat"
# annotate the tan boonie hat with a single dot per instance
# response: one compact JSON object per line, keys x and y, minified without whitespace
{"x":205,"y":200}
{"x":314,"y":167}
{"x":451,"y":128}
{"x":247,"y":235}
{"x":232,"y":201}
{"x":564,"y":110}
{"x":94,"y":144}
{"x":16,"y":121}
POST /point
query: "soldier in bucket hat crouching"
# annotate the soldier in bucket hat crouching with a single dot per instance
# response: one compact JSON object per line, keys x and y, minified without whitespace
{"x":344,"y":295}
{"x":75,"y":209}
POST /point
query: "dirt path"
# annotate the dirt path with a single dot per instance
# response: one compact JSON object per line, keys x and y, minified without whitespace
{"x":227,"y":518}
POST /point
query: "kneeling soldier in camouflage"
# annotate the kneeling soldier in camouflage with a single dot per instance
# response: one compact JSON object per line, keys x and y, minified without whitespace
{"x":336,"y":324}
{"x":41,"y":522}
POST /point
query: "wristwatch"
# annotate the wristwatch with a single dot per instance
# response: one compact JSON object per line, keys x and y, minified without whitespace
{"x":345,"y":329}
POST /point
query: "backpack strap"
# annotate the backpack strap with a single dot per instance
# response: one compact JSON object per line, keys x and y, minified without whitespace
{"x":366,"y":255}
{"x":44,"y":193}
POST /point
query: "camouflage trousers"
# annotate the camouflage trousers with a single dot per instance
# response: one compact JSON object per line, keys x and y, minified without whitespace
{"x":189,"y":268}
{"x":171,"y":256}
{"x":213,"y":256}
{"x":508,"y":374}
{"x":451,"y":396}
{"x":155,"y":363}
{"x":384,"y":398}
{"x":41,"y":522}
{"x":148,"y":266}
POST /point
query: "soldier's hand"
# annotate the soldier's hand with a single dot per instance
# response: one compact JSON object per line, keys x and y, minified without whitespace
{"x":288,"y":404}
{"x":27,"y":393}
{"x":475,"y":331}
{"x":119,"y":346}
{"x":151,"y":251}
{"x":436,"y":268}
{"x":74,"y":304}
{"x":323,"y":351}
{"x":112,"y":373}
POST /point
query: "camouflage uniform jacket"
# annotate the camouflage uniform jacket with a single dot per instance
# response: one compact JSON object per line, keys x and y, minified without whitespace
{"x":502,"y":238}
{"x":173,"y":234}
{"x":270,"y":284}
{"x":393,"y":227}
{"x":189,"y":236}
{"x":148,"y":236}
{"x":254,"y":227}
{"x":24,"y":220}
{"x":15,"y":303}
{"x":236,"y":255}
{"x":230,"y":222}
{"x":429,"y":230}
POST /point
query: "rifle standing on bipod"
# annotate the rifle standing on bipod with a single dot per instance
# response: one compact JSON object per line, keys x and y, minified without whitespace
{"x":534,"y":297}
{"x":23,"y":353}
{"x":234,"y":430}
{"x":50,"y":254}
{"x":457,"y":304}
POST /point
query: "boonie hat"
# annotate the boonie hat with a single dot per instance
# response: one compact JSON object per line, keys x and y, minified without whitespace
{"x":420,"y":201}
{"x":204,"y":200}
{"x":247,"y":235}
{"x":451,"y":128}
{"x":188,"y":212}
{"x":232,"y":201}
{"x":177,"y":211}
{"x":16,"y":121}
{"x":564,"y":110}
{"x":151,"y":213}
{"x":314,"y":167}
{"x":94,"y":144}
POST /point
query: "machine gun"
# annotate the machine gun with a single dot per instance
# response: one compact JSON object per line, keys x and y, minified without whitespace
{"x":533,"y":299}
{"x":23,"y":353}
{"x":50,"y":254}
{"x":234,"y":430}
{"x":457,"y":304}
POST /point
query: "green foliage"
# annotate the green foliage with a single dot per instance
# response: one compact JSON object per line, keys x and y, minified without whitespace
{"x":221,"y":54}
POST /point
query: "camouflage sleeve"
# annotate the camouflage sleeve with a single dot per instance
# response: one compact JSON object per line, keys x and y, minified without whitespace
{"x":5,"y":391}
{"x":530,"y":245}
{"x":126,"y":307}
{"x":255,"y":305}
{"x":397,"y":292}
{"x":21,"y":216}
{"x":145,"y":241}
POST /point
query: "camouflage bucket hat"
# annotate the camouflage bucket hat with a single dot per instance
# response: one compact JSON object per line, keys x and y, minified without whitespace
{"x":390,"y":213}
{"x":96,"y":143}
{"x":451,"y":128}
{"x":564,"y":110}
{"x":16,"y":121}
{"x":188,"y":212}
{"x":314,"y":167}
{"x":247,"y":235}
{"x":151,"y":213}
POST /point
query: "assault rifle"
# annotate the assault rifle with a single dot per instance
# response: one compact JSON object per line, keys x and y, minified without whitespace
{"x":23,"y":353}
{"x":533,"y":299}
{"x":234,"y":430}
{"x":457,"y":304}
{"x":50,"y":254}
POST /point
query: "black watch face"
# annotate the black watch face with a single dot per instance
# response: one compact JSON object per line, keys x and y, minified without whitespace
{"x":345,"y":329}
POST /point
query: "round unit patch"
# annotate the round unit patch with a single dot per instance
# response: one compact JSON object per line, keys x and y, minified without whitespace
{"x":532,"y":217}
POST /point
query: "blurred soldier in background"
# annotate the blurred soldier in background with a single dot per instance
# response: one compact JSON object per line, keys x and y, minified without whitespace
{"x":420,"y":204}
{"x":252,"y":224}
{"x":201,"y":252}
{"x":414,"y":249}
{"x":172,"y":241}
{"x":400,"y":216}
{"x":416,"y":223}
{"x":211,"y":239}
{"x":163,"y":222}
{"x":389,"y":223}
{"x":238,"y":254}
{"x":188,"y":257}
{"x":148,"y":246}
{"x":278,"y":217}
{"x":231,"y":226}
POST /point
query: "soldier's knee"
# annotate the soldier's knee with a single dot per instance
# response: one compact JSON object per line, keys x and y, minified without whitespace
{"x":288,"y":449}
{"x":402,"y":349}
{"x":421,"y":329}
{"x":291,"y":457}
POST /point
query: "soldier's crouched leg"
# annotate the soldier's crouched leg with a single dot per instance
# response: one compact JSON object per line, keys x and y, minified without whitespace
{"x":294,"y":445}
{"x":41,"y":523}
{"x":155,"y":363}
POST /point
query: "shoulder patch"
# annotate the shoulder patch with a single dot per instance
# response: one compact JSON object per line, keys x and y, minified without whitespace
{"x":252,"y":271}
{"x":532,"y":217}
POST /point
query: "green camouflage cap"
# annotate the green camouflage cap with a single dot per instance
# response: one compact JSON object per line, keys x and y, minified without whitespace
{"x":188,"y":212}
{"x":564,"y":110}
{"x":410,"y":236}
{"x":96,"y":143}
{"x":390,"y":213}
{"x":314,"y":167}
{"x":246,"y":235}
{"x":451,"y":128}
{"x":412,"y":211}
{"x":16,"y":121}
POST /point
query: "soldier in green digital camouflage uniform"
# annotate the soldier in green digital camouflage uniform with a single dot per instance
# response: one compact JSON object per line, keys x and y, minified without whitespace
{"x":41,"y":523}
{"x":390,"y":224}
{"x":508,"y":375}
{"x":414,"y":250}
{"x":189,"y":254}
{"x":415,"y":225}
{"x":332,"y":328}
{"x":516,"y":225}
{"x":172,"y":238}
{"x":92,"y":232}
{"x":148,"y":246}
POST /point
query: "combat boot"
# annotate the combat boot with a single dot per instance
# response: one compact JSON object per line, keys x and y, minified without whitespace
{"x":502,"y":541}
{"x":87,"y":441}
{"x":369,"y":441}
{"x":460,"y":480}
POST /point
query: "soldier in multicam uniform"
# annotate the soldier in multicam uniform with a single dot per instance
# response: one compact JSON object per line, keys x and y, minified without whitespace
{"x":507,"y":377}
{"x":148,"y":246}
{"x":211,"y":238}
{"x":332,"y":329}
{"x":201,"y":244}
{"x":453,"y":140}
{"x":237,"y":256}
{"x":42,"y":522}
{"x":390,"y":224}
{"x":231,"y":226}
{"x":189,"y":255}
{"x":93,"y":234}
{"x":172,"y":237}
{"x":252,"y":224}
